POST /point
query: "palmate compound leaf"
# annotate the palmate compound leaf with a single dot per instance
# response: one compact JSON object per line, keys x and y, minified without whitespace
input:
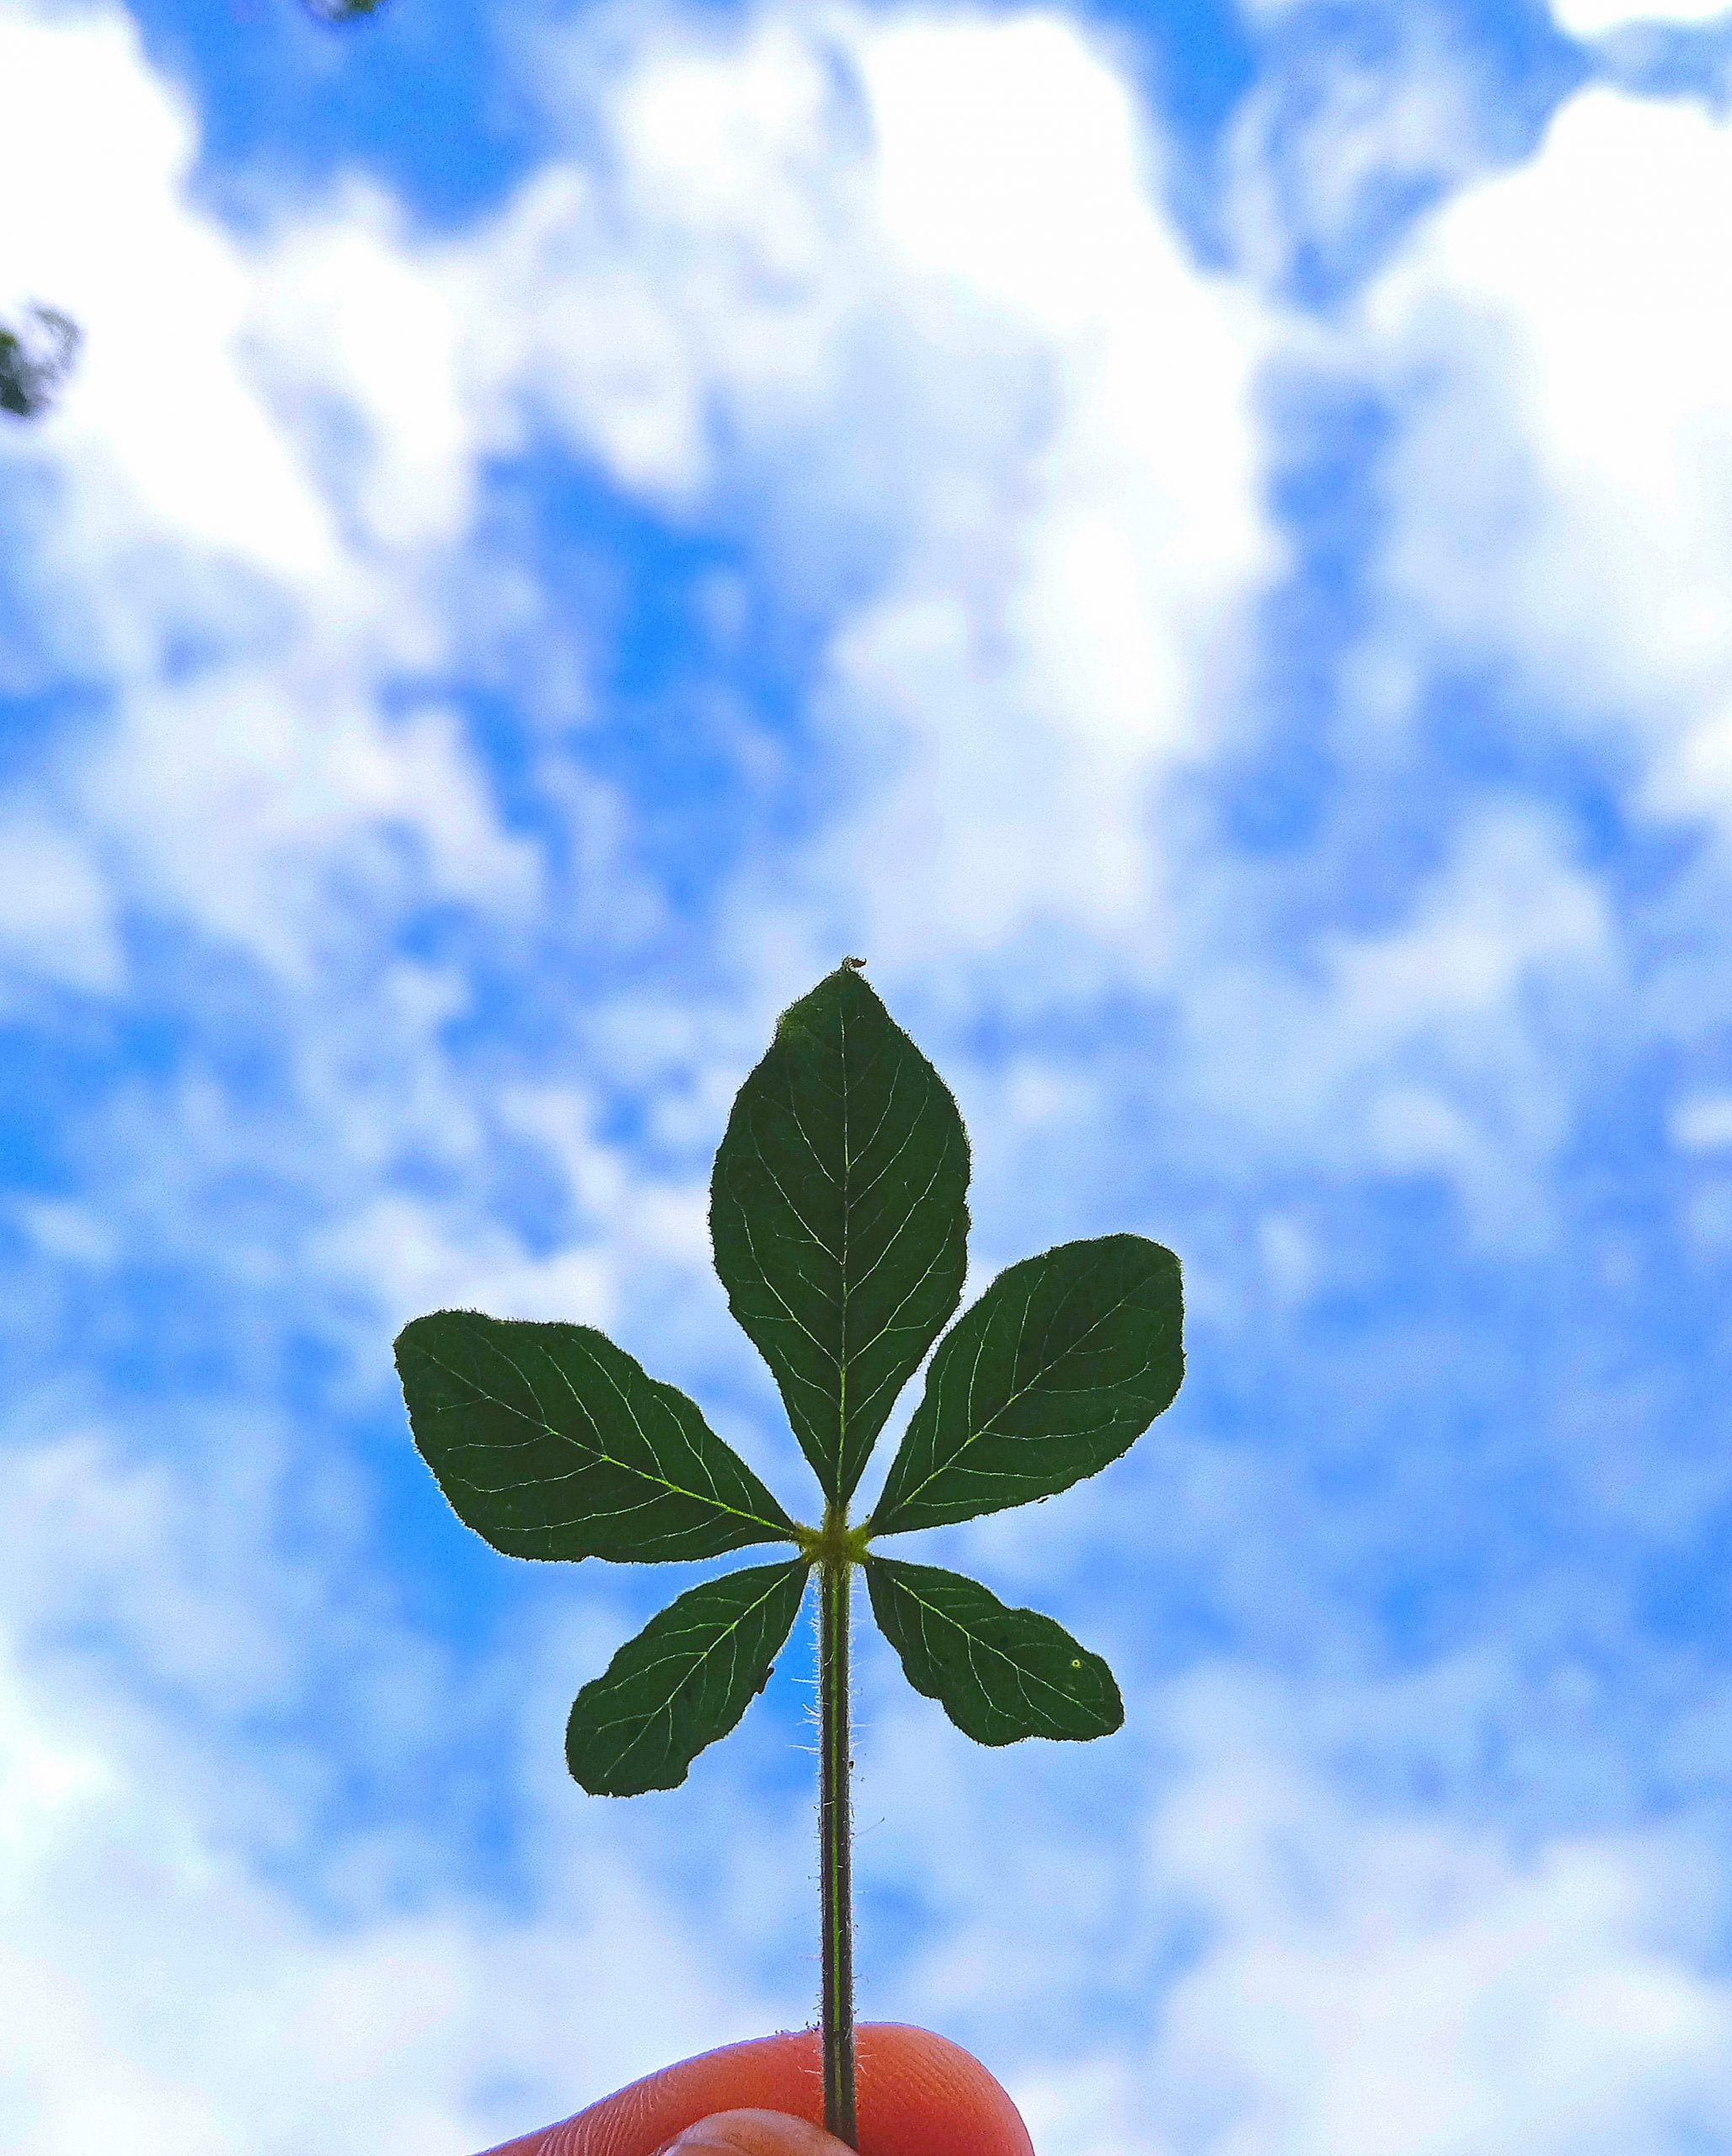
{"x":550,"y":1442}
{"x":1057,"y":1369}
{"x":684,"y":1681}
{"x":839,"y":1215}
{"x":1001,"y":1675}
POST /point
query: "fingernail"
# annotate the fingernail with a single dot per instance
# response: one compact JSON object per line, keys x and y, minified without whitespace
{"x":750,"y":2133}
{"x":706,"y":2135}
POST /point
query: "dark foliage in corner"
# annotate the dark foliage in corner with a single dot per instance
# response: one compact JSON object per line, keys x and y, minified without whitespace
{"x":35,"y":360}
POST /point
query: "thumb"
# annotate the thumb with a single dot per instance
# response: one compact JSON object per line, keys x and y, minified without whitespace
{"x":917,"y":2093}
{"x":754,"y":2133}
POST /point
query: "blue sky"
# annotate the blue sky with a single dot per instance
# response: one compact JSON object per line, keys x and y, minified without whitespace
{"x":1196,"y":540}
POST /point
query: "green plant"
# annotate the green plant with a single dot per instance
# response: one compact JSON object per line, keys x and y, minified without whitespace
{"x":839,"y":1218}
{"x":35,"y":360}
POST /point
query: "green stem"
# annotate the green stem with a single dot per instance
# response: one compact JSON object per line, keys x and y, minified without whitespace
{"x":835,"y":1828}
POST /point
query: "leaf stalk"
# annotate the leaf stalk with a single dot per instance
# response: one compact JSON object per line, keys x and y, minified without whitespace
{"x":834,"y":1844}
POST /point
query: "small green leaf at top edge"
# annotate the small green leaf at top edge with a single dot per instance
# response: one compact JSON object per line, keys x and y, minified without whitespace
{"x":1058,"y":1370}
{"x":1001,"y":1675}
{"x":683,"y":1681}
{"x":552,"y":1442}
{"x":839,"y":1216}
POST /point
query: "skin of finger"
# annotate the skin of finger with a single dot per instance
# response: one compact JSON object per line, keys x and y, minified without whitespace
{"x":919,"y":2096}
{"x":754,"y":2133}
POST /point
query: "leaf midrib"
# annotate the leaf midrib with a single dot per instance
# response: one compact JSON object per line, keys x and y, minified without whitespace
{"x":844,"y":1356}
{"x":847,"y":1210}
{"x":667,"y":1706}
{"x":943,"y":1467}
{"x":973,"y":1639}
{"x":714,"y":1498}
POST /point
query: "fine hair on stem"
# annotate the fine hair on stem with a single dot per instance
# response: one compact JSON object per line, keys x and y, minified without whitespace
{"x":835,"y":1847}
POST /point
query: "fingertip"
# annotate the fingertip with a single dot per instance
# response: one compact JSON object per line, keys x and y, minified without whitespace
{"x":918,"y":2093}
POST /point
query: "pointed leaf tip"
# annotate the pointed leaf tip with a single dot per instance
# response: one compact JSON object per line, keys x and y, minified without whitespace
{"x":839,"y":1217}
{"x":552,"y":1442}
{"x":1057,"y":1370}
{"x":1001,"y":1675}
{"x":685,"y":1681}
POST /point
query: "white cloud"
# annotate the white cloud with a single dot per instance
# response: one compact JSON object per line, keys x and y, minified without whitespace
{"x":1044,"y":658}
{"x":157,"y":422}
{"x":1592,"y":18}
{"x":344,"y":309}
{"x":844,"y":258}
{"x":57,"y":919}
{"x":1332,"y":145}
{"x":1068,"y":480}
{"x":1376,"y":1986}
{"x":403,"y":1258}
{"x":1438,"y":1043}
{"x":242,"y":584}
{"x":163,"y":1995}
{"x":917,"y":273}
{"x":1359,"y":1980}
{"x":1509,"y":905}
{"x":1251,"y":1952}
{"x":1559,"y":339}
{"x":164,"y":1986}
{"x":1553,"y":349}
{"x":847,"y":249}
{"x":1702,"y":1124}
{"x":696,"y":271}
{"x":244,"y":798}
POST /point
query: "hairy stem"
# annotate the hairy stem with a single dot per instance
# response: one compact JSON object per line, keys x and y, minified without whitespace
{"x":834,"y":1830}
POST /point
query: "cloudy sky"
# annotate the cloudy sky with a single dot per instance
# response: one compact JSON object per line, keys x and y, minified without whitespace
{"x":1197,"y":540}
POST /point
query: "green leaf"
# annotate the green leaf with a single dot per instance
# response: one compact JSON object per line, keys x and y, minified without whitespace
{"x":1057,"y":1369}
{"x":999,"y":1673}
{"x":551,"y":1441}
{"x":684,"y":1681}
{"x":839,"y":1214}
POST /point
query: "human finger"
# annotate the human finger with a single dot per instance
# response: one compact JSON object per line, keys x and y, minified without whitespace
{"x":916,"y":2094}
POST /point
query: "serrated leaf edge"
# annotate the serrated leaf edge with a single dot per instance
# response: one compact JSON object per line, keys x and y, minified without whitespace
{"x":778,"y":1531}
{"x":907,"y":1497}
{"x":838,"y":1486}
{"x":802,"y":1565}
{"x":888,"y":1566}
